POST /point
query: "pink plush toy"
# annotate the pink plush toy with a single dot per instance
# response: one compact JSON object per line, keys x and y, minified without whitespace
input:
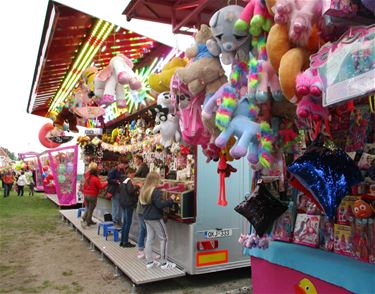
{"x":309,"y":82}
{"x":110,"y":81}
{"x":300,"y":15}
{"x":254,"y":17}
{"x":269,"y":79}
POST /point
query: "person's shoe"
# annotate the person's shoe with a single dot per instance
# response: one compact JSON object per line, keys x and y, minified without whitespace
{"x":140,"y":254}
{"x":83,"y":224}
{"x":156,"y":256}
{"x":127,"y":245}
{"x":91,"y":223}
{"x":168,"y":265}
{"x":117,"y":226}
{"x":152,"y":264}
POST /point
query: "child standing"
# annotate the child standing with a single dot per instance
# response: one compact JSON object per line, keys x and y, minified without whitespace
{"x":153,"y":214}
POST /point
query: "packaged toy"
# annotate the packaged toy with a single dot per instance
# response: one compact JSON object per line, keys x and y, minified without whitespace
{"x":284,"y":225}
{"x":343,"y":240}
{"x":360,"y":239}
{"x":345,"y":210}
{"x":306,"y":230}
{"x":326,"y":236}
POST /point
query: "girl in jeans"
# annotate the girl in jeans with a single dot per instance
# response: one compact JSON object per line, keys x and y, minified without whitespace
{"x":91,"y":188}
{"x":153,"y":214}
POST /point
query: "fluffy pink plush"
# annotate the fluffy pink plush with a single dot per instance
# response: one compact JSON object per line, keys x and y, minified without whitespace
{"x":300,"y":15}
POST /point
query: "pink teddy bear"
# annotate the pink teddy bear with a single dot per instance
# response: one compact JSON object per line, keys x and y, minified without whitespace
{"x":300,"y":15}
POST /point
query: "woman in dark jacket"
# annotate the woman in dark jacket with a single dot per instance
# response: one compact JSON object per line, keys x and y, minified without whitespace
{"x":91,"y":188}
{"x":128,"y":201}
{"x":150,"y":198}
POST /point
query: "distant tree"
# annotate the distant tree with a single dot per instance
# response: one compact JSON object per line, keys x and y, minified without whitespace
{"x":11,"y":155}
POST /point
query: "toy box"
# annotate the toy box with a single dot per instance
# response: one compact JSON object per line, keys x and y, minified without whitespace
{"x":360,"y":239}
{"x":343,"y":240}
{"x":326,"y":236}
{"x":306,"y":230}
{"x":284,"y":225}
{"x":344,"y":211}
{"x":305,"y":205}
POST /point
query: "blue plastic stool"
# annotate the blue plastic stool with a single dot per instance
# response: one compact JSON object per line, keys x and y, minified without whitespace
{"x":114,"y":231}
{"x":104,"y":225}
{"x":79,"y":211}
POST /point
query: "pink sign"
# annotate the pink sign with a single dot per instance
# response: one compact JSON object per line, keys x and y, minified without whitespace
{"x":63,"y":163}
{"x":271,"y":278}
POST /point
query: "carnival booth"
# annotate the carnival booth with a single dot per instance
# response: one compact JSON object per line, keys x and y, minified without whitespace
{"x":33,"y":162}
{"x":278,"y":149}
{"x":312,"y":72}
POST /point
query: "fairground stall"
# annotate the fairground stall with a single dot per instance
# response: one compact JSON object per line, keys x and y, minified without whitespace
{"x":203,"y":235}
{"x":33,"y":162}
{"x":284,"y":138}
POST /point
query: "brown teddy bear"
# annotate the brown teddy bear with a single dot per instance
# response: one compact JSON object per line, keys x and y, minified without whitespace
{"x":204,"y":71}
{"x":68,"y":115}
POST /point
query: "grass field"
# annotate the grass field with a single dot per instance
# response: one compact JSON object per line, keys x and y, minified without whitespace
{"x":23,"y":220}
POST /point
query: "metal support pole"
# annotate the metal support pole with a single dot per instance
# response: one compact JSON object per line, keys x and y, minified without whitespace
{"x":134,"y":289}
{"x":101,"y":256}
{"x":116,"y":273}
{"x":92,"y":247}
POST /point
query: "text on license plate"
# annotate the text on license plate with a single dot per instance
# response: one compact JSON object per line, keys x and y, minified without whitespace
{"x":218,"y":233}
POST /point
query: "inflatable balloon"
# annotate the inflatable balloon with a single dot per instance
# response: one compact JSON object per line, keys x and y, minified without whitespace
{"x":49,"y":177}
{"x":69,"y":167}
{"x":61,"y":168}
{"x":61,"y":179}
{"x":44,"y":133}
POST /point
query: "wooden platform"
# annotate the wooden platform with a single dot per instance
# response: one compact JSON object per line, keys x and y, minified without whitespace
{"x":124,"y":258}
{"x":53,"y":198}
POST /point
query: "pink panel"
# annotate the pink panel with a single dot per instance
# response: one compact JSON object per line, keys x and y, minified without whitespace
{"x":272,"y":278}
{"x":63,"y":163}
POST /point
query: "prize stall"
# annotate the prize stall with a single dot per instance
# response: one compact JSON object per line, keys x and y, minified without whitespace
{"x":276,"y":149}
{"x":33,"y":162}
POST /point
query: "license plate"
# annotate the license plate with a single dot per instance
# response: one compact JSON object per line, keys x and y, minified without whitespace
{"x":218,"y":233}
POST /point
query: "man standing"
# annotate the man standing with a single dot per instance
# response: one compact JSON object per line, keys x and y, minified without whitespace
{"x":8,"y":180}
{"x":115,"y":177}
{"x":143,"y":169}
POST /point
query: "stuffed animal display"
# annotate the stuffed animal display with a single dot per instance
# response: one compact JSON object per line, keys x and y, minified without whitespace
{"x":110,"y":81}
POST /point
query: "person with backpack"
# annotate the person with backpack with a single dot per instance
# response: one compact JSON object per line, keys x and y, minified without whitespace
{"x":150,"y":198}
{"x":91,"y":188}
{"x":115,"y":177}
{"x":128,"y":202}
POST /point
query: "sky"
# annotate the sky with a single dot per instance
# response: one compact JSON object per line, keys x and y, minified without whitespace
{"x":21,"y":26}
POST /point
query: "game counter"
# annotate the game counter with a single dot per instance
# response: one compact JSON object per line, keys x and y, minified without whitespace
{"x":286,"y":266}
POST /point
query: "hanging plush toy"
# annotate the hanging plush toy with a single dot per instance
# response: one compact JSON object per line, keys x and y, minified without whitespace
{"x":88,"y":76}
{"x":168,"y":130}
{"x":68,"y":115}
{"x":224,"y":170}
{"x":159,"y":82}
{"x":291,"y":40}
{"x":255,"y":18}
{"x":229,"y":42}
{"x":110,"y":81}
{"x":204,"y":72}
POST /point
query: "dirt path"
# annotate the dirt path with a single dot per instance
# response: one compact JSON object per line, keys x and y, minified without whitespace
{"x":50,"y":257}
